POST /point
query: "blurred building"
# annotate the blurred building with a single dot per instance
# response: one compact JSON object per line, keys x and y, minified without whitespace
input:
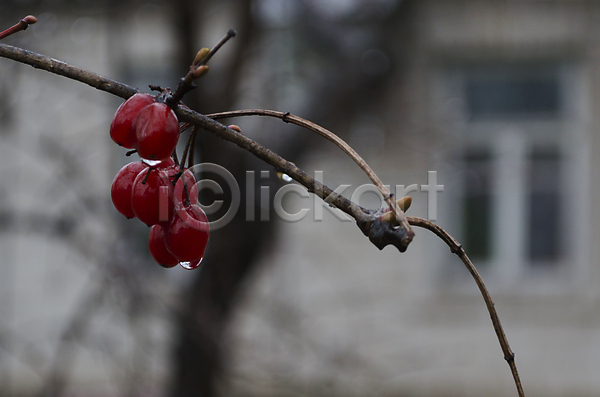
{"x":495,"y":99}
{"x":500,"y":99}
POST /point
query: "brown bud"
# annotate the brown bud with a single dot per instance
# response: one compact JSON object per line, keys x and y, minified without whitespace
{"x":201,"y":55}
{"x":201,"y":71}
{"x":235,"y":128}
{"x":30,"y":19}
{"x":404,"y":204}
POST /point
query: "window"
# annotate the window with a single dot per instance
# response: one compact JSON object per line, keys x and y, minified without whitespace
{"x":518,"y":150}
{"x":517,"y":91}
{"x":545,"y":208}
{"x":477,"y":204}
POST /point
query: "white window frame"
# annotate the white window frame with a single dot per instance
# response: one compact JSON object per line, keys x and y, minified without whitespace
{"x":509,"y":142}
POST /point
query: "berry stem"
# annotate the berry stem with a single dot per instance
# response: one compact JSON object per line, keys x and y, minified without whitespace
{"x":192,"y":145}
{"x":188,"y":145}
{"x":186,"y":201}
{"x":21,"y":25}
{"x":147,"y":175}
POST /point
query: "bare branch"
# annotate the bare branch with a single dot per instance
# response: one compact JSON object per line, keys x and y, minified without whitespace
{"x":457,"y":249}
{"x":272,"y":158}
{"x":187,"y":83}
{"x":381,"y":234}
{"x":55,"y":66}
{"x":339,"y":142}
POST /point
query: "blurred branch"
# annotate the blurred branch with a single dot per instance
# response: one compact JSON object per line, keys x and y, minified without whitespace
{"x":74,"y":330}
{"x":7,"y":346}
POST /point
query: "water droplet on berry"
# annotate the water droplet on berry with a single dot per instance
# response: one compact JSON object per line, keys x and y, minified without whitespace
{"x":284,"y":177}
{"x":191,"y":265}
{"x":152,"y":163}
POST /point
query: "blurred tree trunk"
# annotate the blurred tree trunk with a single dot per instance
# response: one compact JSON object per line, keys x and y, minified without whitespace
{"x":233,"y":250}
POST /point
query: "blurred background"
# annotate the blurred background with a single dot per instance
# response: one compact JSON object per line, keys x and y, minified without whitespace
{"x":499,"y":98}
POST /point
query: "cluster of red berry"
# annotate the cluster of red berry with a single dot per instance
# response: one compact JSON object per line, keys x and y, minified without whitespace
{"x":156,"y":190}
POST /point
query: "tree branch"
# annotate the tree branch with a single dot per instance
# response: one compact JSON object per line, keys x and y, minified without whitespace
{"x":456,"y":248}
{"x":339,"y":142}
{"x":55,"y":66}
{"x":380,"y":233}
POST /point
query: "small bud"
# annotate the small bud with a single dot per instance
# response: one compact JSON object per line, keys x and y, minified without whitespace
{"x":201,"y":71}
{"x":201,"y":55}
{"x":404,"y":204}
{"x":30,"y":19}
{"x":235,"y":128}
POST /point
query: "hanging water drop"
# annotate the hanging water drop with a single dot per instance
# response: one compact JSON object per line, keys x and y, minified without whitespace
{"x":191,"y":265}
{"x":152,"y":163}
{"x":284,"y":177}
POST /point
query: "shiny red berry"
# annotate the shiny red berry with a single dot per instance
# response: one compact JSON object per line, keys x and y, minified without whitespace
{"x":151,"y":195}
{"x":187,"y":234}
{"x":120,"y":191}
{"x":156,"y":132}
{"x":120,"y":128}
{"x":158,"y":250}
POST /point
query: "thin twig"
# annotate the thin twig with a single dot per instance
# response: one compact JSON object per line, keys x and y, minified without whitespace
{"x":187,"y":83}
{"x":192,"y":147}
{"x":61,"y":68}
{"x":188,"y":146}
{"x":19,"y":26}
{"x":339,"y":142}
{"x":457,"y":248}
{"x":124,"y":91}
{"x":231,"y":33}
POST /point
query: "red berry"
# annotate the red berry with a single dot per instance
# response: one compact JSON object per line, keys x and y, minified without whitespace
{"x":151,"y":195}
{"x":120,"y":128}
{"x":120,"y":191}
{"x":156,"y":132}
{"x":187,"y":234}
{"x":156,"y":244}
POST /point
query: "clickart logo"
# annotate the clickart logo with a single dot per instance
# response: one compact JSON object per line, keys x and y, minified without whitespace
{"x":258,"y":194}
